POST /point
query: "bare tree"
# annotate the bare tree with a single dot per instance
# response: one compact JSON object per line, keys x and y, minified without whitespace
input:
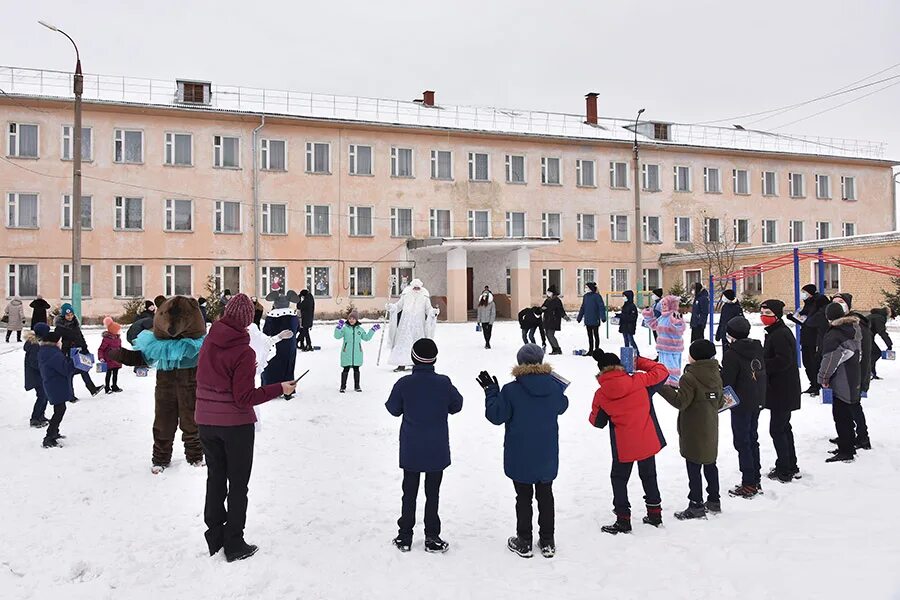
{"x":717,"y":246}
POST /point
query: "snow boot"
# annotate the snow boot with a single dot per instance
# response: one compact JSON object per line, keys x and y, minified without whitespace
{"x":51,"y":443}
{"x":73,"y":400}
{"x":39,"y":424}
{"x":401,"y":544}
{"x":548,"y":548}
{"x":841,"y":457}
{"x":693,"y":511}
{"x":520,"y":546}
{"x":863,"y":444}
{"x":775,"y":475}
{"x":243,"y":551}
{"x":622,"y":525}
{"x":357,"y":389}
{"x":713,"y":506}
{"x":96,"y":390}
{"x":399,"y":369}
{"x":834,"y":440}
{"x":116,"y":389}
{"x":213,"y":542}
{"x":435,"y":545}
{"x":654,"y":515}
{"x":106,"y":389}
{"x":157,"y":469}
{"x":745,"y":491}
{"x":343,"y":390}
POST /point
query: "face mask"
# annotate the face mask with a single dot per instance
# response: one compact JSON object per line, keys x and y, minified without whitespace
{"x":768,"y":319}
{"x":804,"y":296}
{"x":655,"y":298}
{"x":587,"y":290}
{"x":845,"y":307}
{"x":549,"y":294}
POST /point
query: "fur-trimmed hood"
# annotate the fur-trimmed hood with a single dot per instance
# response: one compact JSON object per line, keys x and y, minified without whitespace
{"x":537,"y":380}
{"x":850,"y":319}
{"x":533,"y":369}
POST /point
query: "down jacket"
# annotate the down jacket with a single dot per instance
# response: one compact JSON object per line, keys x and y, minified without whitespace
{"x":841,"y":352}
{"x":56,"y":374}
{"x":593,"y":310}
{"x":669,"y":326}
{"x":698,"y":400}
{"x":782,"y":372}
{"x":108,"y":343}
{"x":629,"y":315}
{"x":15,"y":315}
{"x":352,"y":337}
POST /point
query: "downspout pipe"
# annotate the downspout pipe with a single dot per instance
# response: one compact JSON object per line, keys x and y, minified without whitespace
{"x":256,"y":279}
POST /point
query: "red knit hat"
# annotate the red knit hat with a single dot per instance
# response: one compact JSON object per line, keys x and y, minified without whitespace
{"x":111,"y":326}
{"x":239,"y":310}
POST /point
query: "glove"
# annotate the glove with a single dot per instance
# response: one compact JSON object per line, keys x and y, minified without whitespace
{"x":286,"y":334}
{"x":340,"y":324}
{"x":485,"y":380}
{"x":376,"y":327}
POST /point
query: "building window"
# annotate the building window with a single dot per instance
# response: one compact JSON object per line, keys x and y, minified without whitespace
{"x":742,"y":231}
{"x":797,"y":185}
{"x":227,"y":217}
{"x":274,"y":219}
{"x":823,"y":187}
{"x":87,"y":213}
{"x":360,"y":281}
{"x":401,"y":222}
{"x":848,"y":188}
{"x":129,"y":213}
{"x":361,"y":221}
{"x":683,"y":230}
{"x":584,"y":173}
{"x":508,"y":281}
{"x":179,"y":280}
{"x":22,"y":211}
{"x":179,"y":215}
{"x":832,"y":275}
{"x":23,"y":140}
{"x":318,"y":219}
{"x":682,"y":179}
{"x":796,"y":231}
{"x":22,"y":281}
{"x":178,"y":149}
{"x":439,"y":223}
{"x":650,"y":176}
{"x":273,"y":155}
{"x":129,"y":146}
{"x":360,"y":160}
{"x":129,"y":281}
{"x":551,"y":277}
{"x":712,"y":180}
{"x":753,"y":284}
{"x":87,"y":143}
{"x":618,"y":175}
{"x":712,"y":230}
{"x":823,"y":230}
{"x":741,"y":180}
{"x":651,"y":279}
{"x":400,"y":278}
{"x":651,"y":228}
{"x":318,"y":157}
{"x":442,"y":164}
{"x":618,"y":280}
{"x":770,"y":231}
{"x":551,"y":172}
{"x":318,"y":281}
{"x":848,"y":229}
{"x":226,"y":152}
{"x":272,"y":279}
{"x":479,"y":166}
{"x":587,"y":227}
{"x":662,"y":131}
{"x":402,"y":162}
{"x":479,"y":223}
{"x":515,"y":225}
{"x":582,"y":278}
{"x":550,"y":225}
{"x":769,"y":183}
{"x":66,"y":281}
{"x":692,"y":276}
{"x":227,"y":278}
{"x":515,"y":168}
{"x":618,"y":228}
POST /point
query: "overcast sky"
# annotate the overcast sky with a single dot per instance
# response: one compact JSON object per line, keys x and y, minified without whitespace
{"x":685,"y":60}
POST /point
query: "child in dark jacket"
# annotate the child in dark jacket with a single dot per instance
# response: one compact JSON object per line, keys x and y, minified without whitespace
{"x":530,"y":320}
{"x":424,"y":399}
{"x":56,"y":374}
{"x":33,"y":381}
{"x":111,"y":340}
{"x":731,"y":308}
{"x":529,"y":407}
{"x":698,"y":400}
{"x":628,"y":318}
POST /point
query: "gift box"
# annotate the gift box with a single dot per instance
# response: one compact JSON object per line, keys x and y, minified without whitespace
{"x":581,"y":352}
{"x":888,"y":355}
{"x":827,"y":396}
{"x":83,"y":361}
{"x":100,"y":367}
{"x":627,"y":356}
{"x":614,"y":320}
{"x":477,"y":327}
{"x":141,"y":371}
{"x":731,"y":398}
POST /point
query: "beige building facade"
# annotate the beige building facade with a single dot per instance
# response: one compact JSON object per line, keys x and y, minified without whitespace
{"x":350,"y":201}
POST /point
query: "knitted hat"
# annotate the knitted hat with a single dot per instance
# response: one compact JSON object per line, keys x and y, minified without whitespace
{"x":424,"y":352}
{"x":52,"y":337}
{"x":66,"y":308}
{"x":41,"y":330}
{"x":729,"y":294}
{"x":354,"y":314}
{"x":239,"y":310}
{"x":738,"y":328}
{"x":658,"y":292}
{"x":846,"y":297}
{"x":553,"y":290}
{"x":149,"y":305}
{"x":776,"y":306}
{"x":111,"y":326}
{"x":592,"y":286}
{"x":834,"y":311}
{"x":809,"y":289}
{"x":530,"y":354}
{"x":702,"y":350}
{"x":606,"y":359}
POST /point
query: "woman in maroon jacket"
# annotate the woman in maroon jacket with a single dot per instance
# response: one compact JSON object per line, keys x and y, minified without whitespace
{"x":226,"y":395}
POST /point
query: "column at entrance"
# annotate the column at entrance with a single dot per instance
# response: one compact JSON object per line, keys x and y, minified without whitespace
{"x":457,"y":285}
{"x":520,"y":280}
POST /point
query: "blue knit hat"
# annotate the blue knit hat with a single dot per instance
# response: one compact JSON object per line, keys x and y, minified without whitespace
{"x":41,"y":329}
{"x":530,"y":354}
{"x":66,"y":308}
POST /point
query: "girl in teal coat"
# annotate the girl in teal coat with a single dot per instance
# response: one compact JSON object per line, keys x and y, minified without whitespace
{"x":353,"y":336}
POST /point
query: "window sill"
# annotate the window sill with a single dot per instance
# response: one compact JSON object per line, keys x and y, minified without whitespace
{"x":585,"y":240}
{"x":683,"y":244}
{"x":25,"y":228}
{"x":83,"y":160}
{"x":178,"y":231}
{"x":127,"y":297}
{"x":402,"y":237}
{"x":23,"y":157}
{"x":274,"y":234}
{"x":318,"y":235}
{"x":362,"y":174}
{"x":620,"y":241}
{"x":364,"y":236}
{"x":550,"y":183}
{"x":479,"y":181}
{"x":651,"y":191}
{"x":654,"y":242}
{"x":586,"y":187}
{"x":683,"y":191}
{"x":823,"y":198}
{"x":228,"y":232}
{"x":274,"y":170}
{"x":849,"y":200}
{"x":517,"y":182}
{"x":83,"y":228}
{"x":226,"y":168}
{"x":770,"y":195}
{"x":620,"y":188}
{"x":442,"y":179}
{"x":798,"y":197}
{"x":70,"y":297}
{"x":403,"y":176}
{"x":178,"y":166}
{"x":361,"y":296}
{"x":742,"y":193}
{"x":117,"y":230}
{"x":119,"y":162}
{"x":318,"y":172}
{"x":711,"y":192}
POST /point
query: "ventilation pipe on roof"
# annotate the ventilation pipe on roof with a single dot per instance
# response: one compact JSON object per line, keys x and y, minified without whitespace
{"x":427,"y":98}
{"x":255,"y":136}
{"x":591,"y":108}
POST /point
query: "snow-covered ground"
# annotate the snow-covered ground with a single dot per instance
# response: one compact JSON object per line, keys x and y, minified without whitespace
{"x":90,"y":520}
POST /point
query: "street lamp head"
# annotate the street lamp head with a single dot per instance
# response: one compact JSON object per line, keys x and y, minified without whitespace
{"x":640,"y":112}
{"x":48,"y":26}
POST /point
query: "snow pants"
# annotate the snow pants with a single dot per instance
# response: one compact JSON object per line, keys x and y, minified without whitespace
{"x":621,"y":473}
{"x":229,"y":461}
{"x":176,"y":395}
{"x":543,"y":492}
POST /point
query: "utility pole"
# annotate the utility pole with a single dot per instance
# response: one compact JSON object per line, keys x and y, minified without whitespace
{"x":638,"y":224}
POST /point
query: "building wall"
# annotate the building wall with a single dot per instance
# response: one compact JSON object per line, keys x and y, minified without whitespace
{"x":50,"y":247}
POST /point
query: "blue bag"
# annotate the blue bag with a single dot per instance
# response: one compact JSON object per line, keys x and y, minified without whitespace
{"x":83,"y":361}
{"x":827,"y":396}
{"x":627,"y":356}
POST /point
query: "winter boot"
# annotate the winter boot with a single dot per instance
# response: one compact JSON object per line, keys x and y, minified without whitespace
{"x":401,"y":544}
{"x":39,"y":424}
{"x":841,"y":457}
{"x":775,"y":475}
{"x":157,"y":469}
{"x":106,"y":389}
{"x":96,"y":390}
{"x":214,"y":542}
{"x":243,"y":551}
{"x":435,"y":545}
{"x":51,"y":443}
{"x":358,"y":389}
{"x":713,"y":506}
{"x":116,"y":389}
{"x":548,"y":548}
{"x":520,"y":546}
{"x":622,"y":525}
{"x":693,"y":511}
{"x":654,"y":515}
{"x":400,"y":369}
{"x":745,"y":491}
{"x":863,"y":444}
{"x":343,"y":390}
{"x":834,"y":440}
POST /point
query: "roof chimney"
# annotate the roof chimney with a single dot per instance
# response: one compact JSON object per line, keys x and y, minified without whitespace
{"x":428,"y":98}
{"x":591,"y":108}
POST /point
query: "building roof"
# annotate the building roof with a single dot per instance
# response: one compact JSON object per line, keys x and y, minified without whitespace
{"x":118,"y":90}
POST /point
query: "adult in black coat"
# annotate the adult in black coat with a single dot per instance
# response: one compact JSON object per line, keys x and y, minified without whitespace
{"x":70,"y":334}
{"x":39,"y":308}
{"x":731,"y":308}
{"x":307,"y":308}
{"x":782,"y":388}
{"x":628,"y":318}
{"x":811,"y":326}
{"x":744,"y":369}
{"x":878,"y":319}
{"x":554,"y":313}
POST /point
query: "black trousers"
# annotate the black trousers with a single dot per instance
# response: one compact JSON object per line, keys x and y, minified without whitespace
{"x":745,"y":432}
{"x":88,"y":382}
{"x":18,"y":335}
{"x":859,"y":421}
{"x":621,"y":473}
{"x":528,"y":335}
{"x":112,"y":378}
{"x":305,"y":343}
{"x":486,"y":330}
{"x":551,"y":337}
{"x":697,"y":333}
{"x":843,"y":424}
{"x":524,"y":512}
{"x":783,"y":440}
{"x":593,"y":333}
{"x":344,"y":374}
{"x":40,"y":403}
{"x":59,"y":411}
{"x":229,"y":460}
{"x":811,"y":362}
{"x":876,"y":356}
{"x":407,"y":519}
{"x":695,"y":481}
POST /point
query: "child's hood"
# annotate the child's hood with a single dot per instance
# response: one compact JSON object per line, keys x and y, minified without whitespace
{"x":536,"y":379}
{"x":706,"y":372}
{"x":615,"y":384}
{"x":669,"y":304}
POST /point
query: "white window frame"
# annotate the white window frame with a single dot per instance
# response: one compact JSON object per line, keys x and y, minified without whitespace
{"x":580,"y":172}
{"x":707,"y":222}
{"x":765,"y":232}
{"x":395,"y":222}
{"x":473,"y":221}
{"x":265,"y":155}
{"x":821,"y":177}
{"x":792,"y":230}
{"x":353,"y":162}
{"x":684,"y":277}
{"x":121,"y":284}
{"x":795,"y":180}
{"x":169,"y":145}
{"x":436,"y":165}
{"x":748,"y":273}
{"x":433,"y":222}
{"x":169,"y":215}
{"x":395,"y":162}
{"x":311,"y":158}
{"x":396,"y":281}
{"x":679,"y":187}
{"x":353,"y":221}
{"x":613,"y":272}
{"x":219,"y":209}
{"x":119,"y":138}
{"x":819,"y":230}
{"x":65,"y":143}
{"x":579,"y":226}
{"x":169,"y":280}
{"x":219,"y":151}
{"x":738,"y":176}
{"x":311,"y":220}
{"x":65,"y":279}
{"x":544,"y":170}
{"x":846,"y":225}
{"x":613,"y":228}
{"x":581,"y":281}
{"x":266,"y":216}
{"x":736,"y":231}
{"x":765,"y":188}
{"x":545,"y":225}
{"x":813,"y":268}
{"x":311,"y":284}
{"x":844,"y":195}
{"x":352,"y":282}
{"x":13,"y":271}
{"x":13,"y":205}
{"x":614,"y":174}
{"x":645,"y":177}
{"x":473,"y":165}
{"x":219,"y":277}
{"x":708,"y":179}
{"x":645,"y":229}
{"x":678,"y":230}
{"x":510,"y":222}
{"x":265,"y":277}
{"x":13,"y":147}
{"x":120,"y":213}
{"x":545,"y":279}
{"x":509,"y":169}
{"x":65,"y":207}
{"x":645,"y":278}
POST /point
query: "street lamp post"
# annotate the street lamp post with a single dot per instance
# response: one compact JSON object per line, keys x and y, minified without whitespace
{"x":638,"y":239}
{"x":75,"y":275}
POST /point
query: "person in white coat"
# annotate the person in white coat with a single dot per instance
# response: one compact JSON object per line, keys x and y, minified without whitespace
{"x":409,"y":319}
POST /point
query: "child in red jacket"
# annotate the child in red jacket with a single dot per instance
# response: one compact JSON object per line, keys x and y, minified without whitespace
{"x":111,"y":341}
{"x":624,"y":401}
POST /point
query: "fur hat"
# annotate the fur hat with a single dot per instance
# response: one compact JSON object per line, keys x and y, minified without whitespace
{"x":65,"y":309}
{"x":52,"y":337}
{"x":809,"y":289}
{"x":180,"y":317}
{"x":738,"y":328}
{"x":776,"y":306}
{"x":530,"y":354}
{"x":239,"y":310}
{"x":41,"y":330}
{"x":702,"y":350}
{"x":424,"y":352}
{"x":834,"y":311}
{"x":606,"y":359}
{"x":729,"y":294}
{"x":111,"y":326}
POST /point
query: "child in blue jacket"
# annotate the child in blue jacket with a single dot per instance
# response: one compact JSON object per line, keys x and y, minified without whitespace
{"x":529,"y":407}
{"x":56,"y":374}
{"x":33,"y":373}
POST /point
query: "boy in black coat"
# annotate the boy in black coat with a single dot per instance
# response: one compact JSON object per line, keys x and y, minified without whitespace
{"x":530,"y":321}
{"x":878,"y":319}
{"x":731,"y":308}
{"x":840,"y":372}
{"x":809,"y":332}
